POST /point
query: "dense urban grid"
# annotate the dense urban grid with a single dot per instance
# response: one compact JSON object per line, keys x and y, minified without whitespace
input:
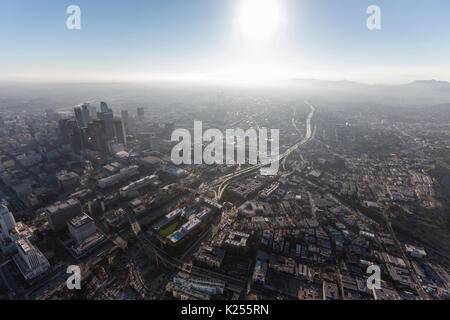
{"x":94,"y":186}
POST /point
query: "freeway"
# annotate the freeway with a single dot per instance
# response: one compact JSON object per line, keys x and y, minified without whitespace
{"x":225,"y":180}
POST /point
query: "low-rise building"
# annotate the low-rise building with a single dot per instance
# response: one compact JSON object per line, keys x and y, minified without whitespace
{"x":133,"y":188}
{"x":260,"y":272}
{"x":208,"y":286}
{"x":67,"y":181}
{"x":114,"y":179}
{"x":212,"y":256}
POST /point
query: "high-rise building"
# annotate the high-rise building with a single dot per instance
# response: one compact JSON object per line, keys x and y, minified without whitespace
{"x":103,"y":106}
{"x":79,"y":116}
{"x":140,"y":113}
{"x":92,"y":112}
{"x":97,"y":130}
{"x":72,"y":133}
{"x":84,"y":137}
{"x":30,"y":260}
{"x":64,"y":129}
{"x":108,"y":118}
{"x":120,"y":131}
{"x":7,"y":223}
{"x":81,"y":227}
{"x":86,"y":114}
{"x":7,"y":220}
{"x":76,"y":139}
{"x":60,"y":213}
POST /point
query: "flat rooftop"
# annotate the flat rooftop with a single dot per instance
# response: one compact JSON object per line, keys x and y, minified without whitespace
{"x":24,"y":245}
{"x":61,"y":205}
{"x":64,"y":176}
{"x":80,"y":220}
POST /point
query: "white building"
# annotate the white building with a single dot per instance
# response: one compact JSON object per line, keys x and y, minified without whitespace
{"x":190,"y":225}
{"x":7,"y":224}
{"x":134,"y":187}
{"x":7,"y":220}
{"x":203,"y":214}
{"x":118,"y":177}
{"x":30,"y":260}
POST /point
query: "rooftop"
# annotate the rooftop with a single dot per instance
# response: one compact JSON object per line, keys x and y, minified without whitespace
{"x":80,"y":221}
{"x":61,"y":205}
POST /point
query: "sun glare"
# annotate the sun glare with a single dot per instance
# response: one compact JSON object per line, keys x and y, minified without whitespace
{"x":259,"y":20}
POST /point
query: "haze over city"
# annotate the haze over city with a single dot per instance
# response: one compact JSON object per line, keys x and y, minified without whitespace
{"x":241,"y":152}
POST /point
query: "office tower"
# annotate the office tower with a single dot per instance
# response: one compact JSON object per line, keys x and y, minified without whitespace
{"x":81,"y":227}
{"x":85,"y":114}
{"x":92,"y":112}
{"x":76,"y":139}
{"x":120,"y":131}
{"x":84,"y":137}
{"x":7,"y":222}
{"x":72,"y":133}
{"x":108,"y":117}
{"x":97,"y":130}
{"x":60,"y":213}
{"x":79,"y":116}
{"x":104,"y":107}
{"x":30,"y":260}
{"x":140,"y":113}
{"x":131,"y":125}
{"x":63,"y":126}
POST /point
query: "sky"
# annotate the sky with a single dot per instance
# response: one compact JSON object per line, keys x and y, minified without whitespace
{"x":224,"y":40}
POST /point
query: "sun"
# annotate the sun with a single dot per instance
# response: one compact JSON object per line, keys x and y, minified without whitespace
{"x":259,"y":20}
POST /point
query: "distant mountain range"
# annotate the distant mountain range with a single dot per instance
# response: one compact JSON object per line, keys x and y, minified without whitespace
{"x":346,"y":83}
{"x":430,"y":84}
{"x":420,"y":93}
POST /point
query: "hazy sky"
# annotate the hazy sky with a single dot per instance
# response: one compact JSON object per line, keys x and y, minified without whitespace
{"x":225,"y":40}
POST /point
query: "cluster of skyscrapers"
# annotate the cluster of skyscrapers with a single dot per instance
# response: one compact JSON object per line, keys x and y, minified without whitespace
{"x":96,"y":130}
